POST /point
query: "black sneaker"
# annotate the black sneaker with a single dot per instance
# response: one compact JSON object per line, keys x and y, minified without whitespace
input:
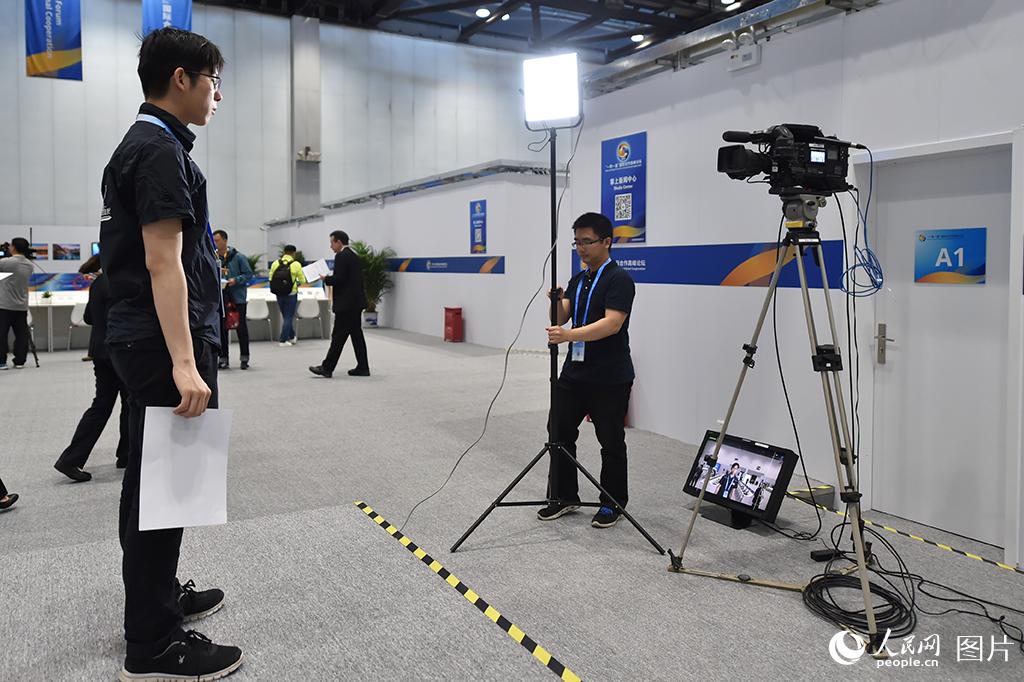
{"x":359,"y":372}
{"x":606,"y":517}
{"x":321,"y":372}
{"x":190,"y":657}
{"x":8,"y":502}
{"x":74,"y":473}
{"x":196,"y":605}
{"x":244,"y":364}
{"x":555,"y":510}
{"x":223,"y":364}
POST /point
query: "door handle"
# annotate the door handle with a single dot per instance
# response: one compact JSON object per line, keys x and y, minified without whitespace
{"x":882,"y":340}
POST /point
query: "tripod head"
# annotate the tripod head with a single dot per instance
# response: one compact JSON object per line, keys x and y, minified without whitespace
{"x":800,"y":210}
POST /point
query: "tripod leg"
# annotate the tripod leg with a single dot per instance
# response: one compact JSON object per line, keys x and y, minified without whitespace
{"x":748,"y":362}
{"x":615,"y":502}
{"x":502,"y":496}
{"x":848,"y":490}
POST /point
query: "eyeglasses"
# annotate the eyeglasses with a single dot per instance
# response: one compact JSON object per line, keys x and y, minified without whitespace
{"x":215,"y":79}
{"x":585,"y":242}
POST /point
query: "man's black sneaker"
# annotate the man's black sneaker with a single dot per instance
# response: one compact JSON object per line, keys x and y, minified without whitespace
{"x":321,"y":372}
{"x":8,"y":502}
{"x":196,"y":605}
{"x":191,"y":656}
{"x":74,"y":473}
{"x":556,"y":509}
{"x":606,"y":517}
{"x":244,"y":364}
{"x":359,"y":372}
{"x":223,"y":364}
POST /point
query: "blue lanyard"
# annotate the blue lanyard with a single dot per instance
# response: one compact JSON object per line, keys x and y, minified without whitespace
{"x":593,"y":285}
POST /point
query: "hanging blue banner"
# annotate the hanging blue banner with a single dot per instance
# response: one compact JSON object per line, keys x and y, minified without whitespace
{"x":950,"y":256}
{"x":478,"y":226}
{"x":726,"y":265}
{"x":53,"y":39}
{"x":162,"y":13}
{"x":462,"y":265}
{"x":624,"y":186}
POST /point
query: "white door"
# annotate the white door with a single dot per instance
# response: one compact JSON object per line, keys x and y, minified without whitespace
{"x":939,"y":437}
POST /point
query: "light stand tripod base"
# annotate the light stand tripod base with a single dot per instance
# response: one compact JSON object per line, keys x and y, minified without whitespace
{"x":740,"y":578}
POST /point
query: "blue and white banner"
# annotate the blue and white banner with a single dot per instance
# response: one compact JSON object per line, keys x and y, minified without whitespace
{"x":478,"y":226}
{"x":53,"y":39}
{"x":950,"y":256}
{"x":462,"y":265}
{"x":725,"y":265}
{"x":624,"y":186}
{"x":162,"y":13}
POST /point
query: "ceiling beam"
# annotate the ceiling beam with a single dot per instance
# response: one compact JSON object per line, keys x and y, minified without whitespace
{"x":433,"y":9}
{"x":537,"y":34}
{"x":579,"y":27}
{"x":589,"y":8}
{"x":481,"y":24}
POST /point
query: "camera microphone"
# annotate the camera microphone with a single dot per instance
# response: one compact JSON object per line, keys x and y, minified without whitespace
{"x":738,"y":136}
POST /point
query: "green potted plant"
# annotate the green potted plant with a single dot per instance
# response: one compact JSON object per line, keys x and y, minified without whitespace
{"x":376,"y":277}
{"x":254,"y":264}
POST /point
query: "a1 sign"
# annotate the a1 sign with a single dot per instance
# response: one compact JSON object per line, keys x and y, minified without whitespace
{"x":950,"y":256}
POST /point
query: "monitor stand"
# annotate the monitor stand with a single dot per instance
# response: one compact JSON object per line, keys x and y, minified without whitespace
{"x":726,"y":517}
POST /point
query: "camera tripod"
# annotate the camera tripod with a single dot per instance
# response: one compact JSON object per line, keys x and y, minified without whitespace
{"x":800,"y":216}
{"x":554,"y":447}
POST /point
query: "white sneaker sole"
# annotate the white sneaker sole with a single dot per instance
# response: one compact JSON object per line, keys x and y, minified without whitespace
{"x":126,"y":676}
{"x":598,"y":524}
{"x":203,"y":614}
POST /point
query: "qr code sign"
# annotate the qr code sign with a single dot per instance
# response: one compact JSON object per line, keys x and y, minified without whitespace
{"x":623,"y":207}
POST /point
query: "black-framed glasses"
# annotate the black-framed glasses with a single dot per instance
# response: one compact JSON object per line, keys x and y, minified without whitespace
{"x":585,"y":242}
{"x":215,"y":79}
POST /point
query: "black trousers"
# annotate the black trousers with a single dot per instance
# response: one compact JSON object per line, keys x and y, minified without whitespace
{"x":346,"y":323}
{"x":606,"y":405}
{"x":108,"y":387}
{"x":16,"y":320}
{"x":152,"y":614}
{"x":242,"y":331}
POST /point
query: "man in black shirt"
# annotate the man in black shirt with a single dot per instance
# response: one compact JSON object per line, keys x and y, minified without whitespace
{"x":598,"y":373}
{"x":163,"y":327}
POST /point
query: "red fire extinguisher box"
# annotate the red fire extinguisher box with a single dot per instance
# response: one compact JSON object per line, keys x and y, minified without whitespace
{"x":453,"y":324}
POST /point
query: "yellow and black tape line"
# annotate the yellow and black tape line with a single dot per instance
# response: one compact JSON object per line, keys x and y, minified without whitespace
{"x":896,"y":531}
{"x":539,"y":652}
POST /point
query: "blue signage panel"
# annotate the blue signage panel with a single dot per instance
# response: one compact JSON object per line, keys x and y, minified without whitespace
{"x":53,"y":39}
{"x":463,"y":265}
{"x":729,"y":265}
{"x":624,"y":186}
{"x":950,"y":256}
{"x":162,"y":13}
{"x":478,"y":226}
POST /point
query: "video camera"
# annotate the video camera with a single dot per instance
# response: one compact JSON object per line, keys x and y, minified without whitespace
{"x":798,"y":159}
{"x":5,"y":249}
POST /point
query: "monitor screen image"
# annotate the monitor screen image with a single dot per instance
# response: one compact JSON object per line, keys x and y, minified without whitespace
{"x":749,"y":477}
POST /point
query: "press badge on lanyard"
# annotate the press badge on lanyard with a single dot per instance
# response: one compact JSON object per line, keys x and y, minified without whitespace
{"x":579,"y":347}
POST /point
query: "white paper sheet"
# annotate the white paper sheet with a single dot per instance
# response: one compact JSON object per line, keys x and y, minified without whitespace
{"x":315,"y":271}
{"x":184,"y":469}
{"x":5,"y":275}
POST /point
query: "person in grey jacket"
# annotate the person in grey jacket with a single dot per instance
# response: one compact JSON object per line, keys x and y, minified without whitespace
{"x":236,"y":273}
{"x":14,"y":302}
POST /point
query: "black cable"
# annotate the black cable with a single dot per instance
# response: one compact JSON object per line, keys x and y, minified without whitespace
{"x":508,"y":351}
{"x":802,"y":536}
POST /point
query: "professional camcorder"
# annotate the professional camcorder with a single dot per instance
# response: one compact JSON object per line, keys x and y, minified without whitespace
{"x":798,"y":159}
{"x":5,"y":249}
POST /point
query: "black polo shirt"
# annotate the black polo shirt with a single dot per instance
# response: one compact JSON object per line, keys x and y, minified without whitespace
{"x":606,"y":361}
{"x":151,"y":177}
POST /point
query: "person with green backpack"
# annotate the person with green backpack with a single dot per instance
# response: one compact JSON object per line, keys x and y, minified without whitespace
{"x":285,"y":277}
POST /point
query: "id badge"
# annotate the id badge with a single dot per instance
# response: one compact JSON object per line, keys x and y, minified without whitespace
{"x":577,"y":351}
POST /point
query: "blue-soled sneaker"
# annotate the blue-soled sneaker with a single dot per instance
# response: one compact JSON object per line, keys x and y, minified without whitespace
{"x":191,"y":656}
{"x":606,"y":517}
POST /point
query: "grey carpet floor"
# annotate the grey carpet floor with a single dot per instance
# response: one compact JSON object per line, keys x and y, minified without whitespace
{"x":317,"y":591}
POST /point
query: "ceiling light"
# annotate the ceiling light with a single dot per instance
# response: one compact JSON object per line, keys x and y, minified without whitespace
{"x":483,"y":12}
{"x":638,"y":38}
{"x":505,"y":17}
{"x":733,"y":6}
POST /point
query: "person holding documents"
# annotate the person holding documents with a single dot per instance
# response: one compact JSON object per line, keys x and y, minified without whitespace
{"x":285,"y":277}
{"x":14,"y":275}
{"x":349,"y":301}
{"x":163,"y":331}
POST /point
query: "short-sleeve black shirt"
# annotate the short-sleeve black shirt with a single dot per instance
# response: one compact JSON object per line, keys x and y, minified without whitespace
{"x":151,"y":177}
{"x":606,"y":361}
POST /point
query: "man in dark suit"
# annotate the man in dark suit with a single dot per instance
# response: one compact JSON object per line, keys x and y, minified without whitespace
{"x":108,"y":387}
{"x":349,"y":302}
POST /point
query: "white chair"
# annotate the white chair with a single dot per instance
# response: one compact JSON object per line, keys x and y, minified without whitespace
{"x":258,"y":310}
{"x":309,"y":309}
{"x":77,"y":320}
